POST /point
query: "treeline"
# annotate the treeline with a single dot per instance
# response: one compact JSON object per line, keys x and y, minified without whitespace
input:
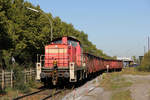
{"x":24,"y":33}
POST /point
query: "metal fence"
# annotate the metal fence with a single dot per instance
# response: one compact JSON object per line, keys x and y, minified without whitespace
{"x":7,"y":77}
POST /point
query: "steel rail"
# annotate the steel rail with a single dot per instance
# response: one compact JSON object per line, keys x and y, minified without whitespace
{"x":30,"y":94}
{"x":49,"y":96}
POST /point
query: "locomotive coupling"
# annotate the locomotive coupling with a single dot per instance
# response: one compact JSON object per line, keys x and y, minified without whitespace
{"x":54,"y":73}
{"x":54,"y":77}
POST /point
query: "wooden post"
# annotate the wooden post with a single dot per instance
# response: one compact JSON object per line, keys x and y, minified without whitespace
{"x":30,"y":74}
{"x":11,"y":78}
{"x":25,"y":76}
{"x":34,"y":74}
{"x":3,"y":73}
{"x":41,"y":59}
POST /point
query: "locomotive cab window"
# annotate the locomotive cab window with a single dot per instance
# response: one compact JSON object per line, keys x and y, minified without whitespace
{"x":73,"y":43}
{"x":58,"y":41}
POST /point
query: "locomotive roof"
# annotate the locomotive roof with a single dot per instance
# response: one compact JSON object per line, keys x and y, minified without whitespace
{"x":68,"y":37}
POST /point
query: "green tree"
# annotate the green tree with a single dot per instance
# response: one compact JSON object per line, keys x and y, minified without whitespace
{"x":24,"y":33}
{"x":145,"y":64}
{"x":146,"y":60}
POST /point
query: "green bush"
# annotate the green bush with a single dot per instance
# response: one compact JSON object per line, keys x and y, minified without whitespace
{"x":19,"y":78}
{"x":145,"y":65}
{"x":5,"y":90}
{"x":2,"y":92}
{"x":32,"y":84}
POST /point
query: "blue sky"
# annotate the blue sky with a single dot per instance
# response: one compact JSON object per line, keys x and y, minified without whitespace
{"x":118,"y":27}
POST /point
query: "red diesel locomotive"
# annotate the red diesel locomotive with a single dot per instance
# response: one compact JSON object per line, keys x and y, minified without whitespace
{"x":64,"y":60}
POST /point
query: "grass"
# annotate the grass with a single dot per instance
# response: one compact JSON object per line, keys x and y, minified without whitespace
{"x":123,"y":95}
{"x":13,"y":93}
{"x":120,"y":85}
{"x":133,"y":71}
{"x":117,"y":84}
{"x":10,"y":93}
{"x":113,"y":81}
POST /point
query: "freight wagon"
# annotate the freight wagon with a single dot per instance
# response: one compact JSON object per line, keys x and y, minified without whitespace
{"x":64,"y":60}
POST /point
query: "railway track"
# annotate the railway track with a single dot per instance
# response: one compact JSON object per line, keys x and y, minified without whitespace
{"x":28,"y":95}
{"x":43,"y":94}
{"x":54,"y":94}
{"x":47,"y":93}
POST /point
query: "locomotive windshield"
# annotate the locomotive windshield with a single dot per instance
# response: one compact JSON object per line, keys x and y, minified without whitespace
{"x":58,"y":41}
{"x":67,"y":40}
{"x":73,"y":43}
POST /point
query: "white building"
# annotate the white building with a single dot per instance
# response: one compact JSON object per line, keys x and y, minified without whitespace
{"x":126,"y":60}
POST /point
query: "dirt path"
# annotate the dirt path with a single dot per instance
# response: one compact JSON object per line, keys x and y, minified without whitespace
{"x":140,"y":90}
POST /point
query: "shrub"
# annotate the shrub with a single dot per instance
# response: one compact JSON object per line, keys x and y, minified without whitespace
{"x":32,"y":84}
{"x":19,"y":78}
{"x":2,"y":91}
{"x":145,"y":65}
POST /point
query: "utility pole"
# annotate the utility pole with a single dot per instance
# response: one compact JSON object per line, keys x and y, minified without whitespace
{"x":144,"y":49}
{"x":148,"y":43}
